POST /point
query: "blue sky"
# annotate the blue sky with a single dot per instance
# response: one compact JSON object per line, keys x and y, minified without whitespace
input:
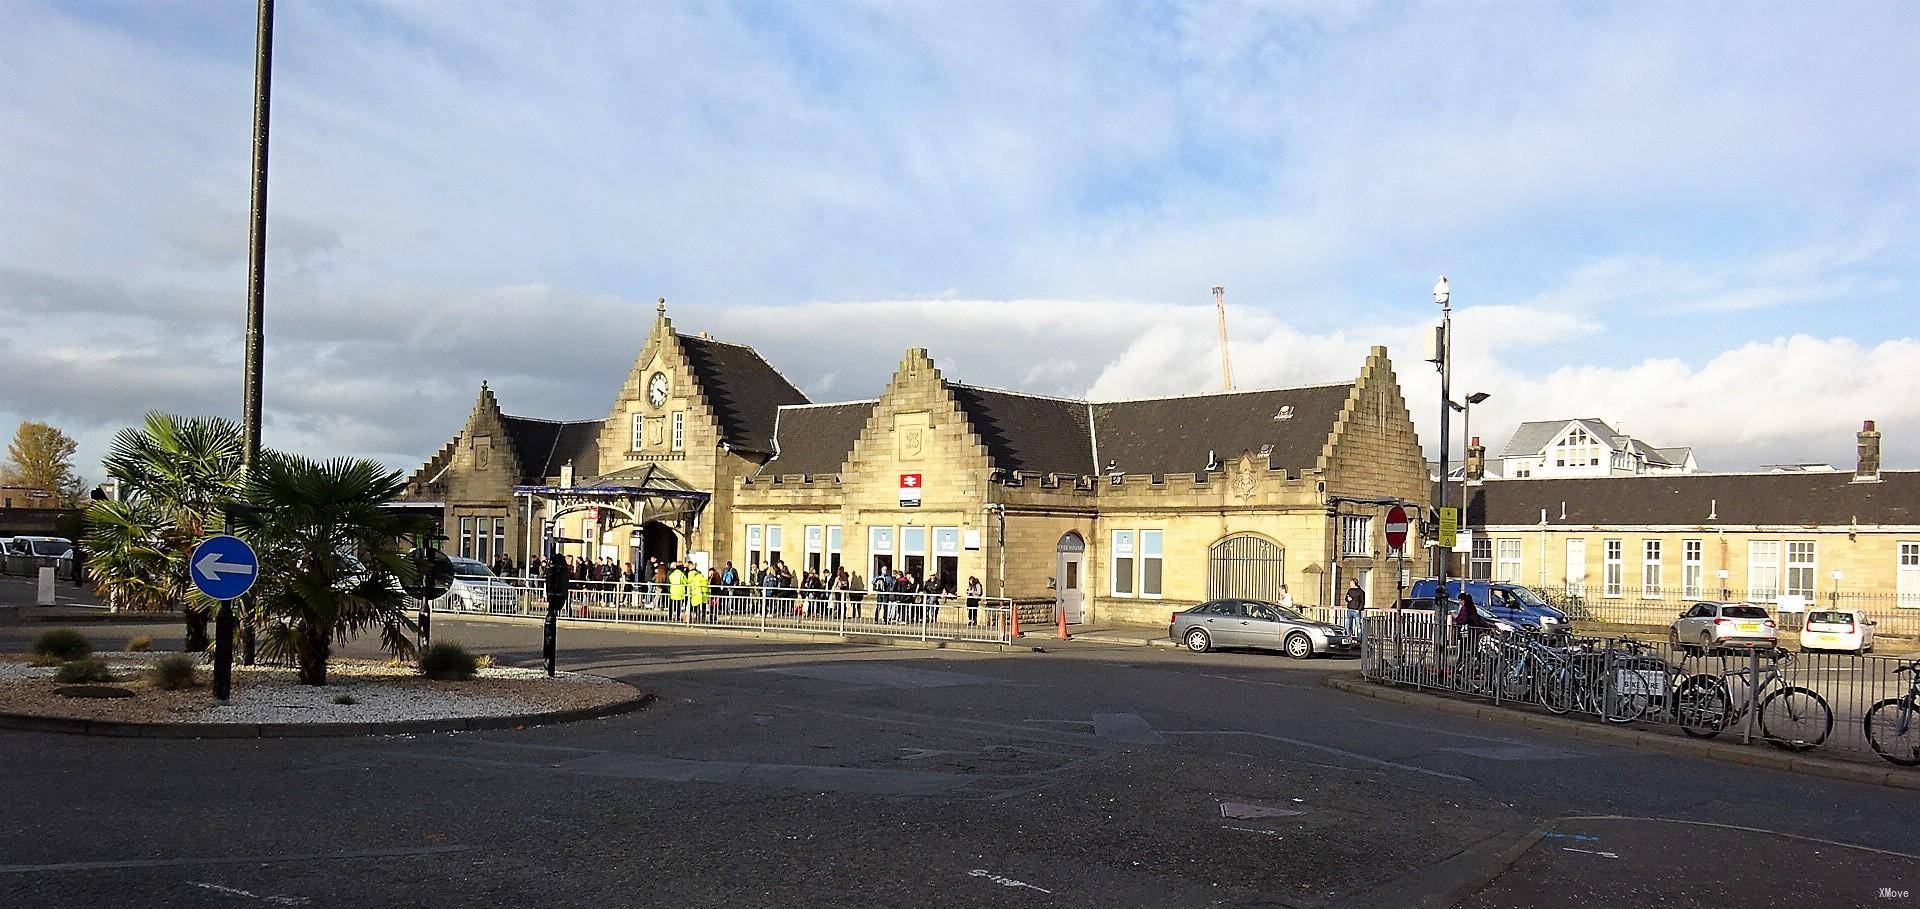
{"x":1695,"y":220}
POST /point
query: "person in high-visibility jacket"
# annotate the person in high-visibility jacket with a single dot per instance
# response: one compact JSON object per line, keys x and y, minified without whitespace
{"x":677,"y":590}
{"x":697,"y":588}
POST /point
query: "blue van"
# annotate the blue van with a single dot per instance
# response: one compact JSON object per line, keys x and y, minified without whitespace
{"x":1510,"y":603}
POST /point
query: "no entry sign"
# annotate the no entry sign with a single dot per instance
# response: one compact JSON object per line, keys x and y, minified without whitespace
{"x":1397,"y":528}
{"x":909,"y":490}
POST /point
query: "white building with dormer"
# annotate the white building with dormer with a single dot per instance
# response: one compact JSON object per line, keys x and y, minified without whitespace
{"x":1586,"y":447}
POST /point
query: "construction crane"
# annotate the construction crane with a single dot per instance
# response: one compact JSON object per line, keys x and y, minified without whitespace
{"x":1226,"y":362}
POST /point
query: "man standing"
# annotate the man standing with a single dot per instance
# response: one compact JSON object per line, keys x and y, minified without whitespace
{"x":677,"y":591}
{"x":1356,"y":600}
{"x":698,"y":588}
{"x":559,"y":581}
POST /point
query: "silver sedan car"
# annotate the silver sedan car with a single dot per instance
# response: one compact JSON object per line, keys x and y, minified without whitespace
{"x":1254,"y":623}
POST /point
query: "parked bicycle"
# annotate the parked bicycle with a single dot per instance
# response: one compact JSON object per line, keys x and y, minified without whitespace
{"x":1893,"y":725}
{"x":1792,"y":717}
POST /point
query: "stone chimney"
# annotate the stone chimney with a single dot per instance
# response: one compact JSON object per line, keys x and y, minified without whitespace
{"x":1476,"y":464}
{"x":1868,"y":468}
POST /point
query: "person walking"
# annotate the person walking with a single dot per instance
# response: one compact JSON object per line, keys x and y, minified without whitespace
{"x":1356,"y":600}
{"x":974,"y":592}
{"x":559,"y":584}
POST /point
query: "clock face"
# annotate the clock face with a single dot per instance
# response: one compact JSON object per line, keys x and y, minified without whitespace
{"x":657,"y":389}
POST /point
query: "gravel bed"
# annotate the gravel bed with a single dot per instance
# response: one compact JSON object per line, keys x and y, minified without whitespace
{"x":272,"y":694}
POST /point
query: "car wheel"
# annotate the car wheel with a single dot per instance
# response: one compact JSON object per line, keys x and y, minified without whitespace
{"x":1299,"y":646}
{"x":1198,"y":642}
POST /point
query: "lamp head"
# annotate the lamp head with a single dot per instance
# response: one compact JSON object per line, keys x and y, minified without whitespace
{"x":1442,"y":294}
{"x":1478,"y":396}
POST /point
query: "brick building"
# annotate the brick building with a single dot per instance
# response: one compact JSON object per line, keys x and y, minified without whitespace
{"x":1113,"y":511}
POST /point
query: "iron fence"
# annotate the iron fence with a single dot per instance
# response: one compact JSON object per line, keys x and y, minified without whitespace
{"x":1894,"y":614}
{"x":927,"y":617}
{"x":1834,"y":702}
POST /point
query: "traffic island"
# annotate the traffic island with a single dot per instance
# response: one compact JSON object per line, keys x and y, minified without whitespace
{"x":362,"y":697}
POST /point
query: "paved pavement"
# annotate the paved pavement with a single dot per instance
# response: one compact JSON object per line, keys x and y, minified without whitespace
{"x":780,"y":774}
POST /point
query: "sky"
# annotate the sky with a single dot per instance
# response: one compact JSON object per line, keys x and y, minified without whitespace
{"x":1698,"y":221}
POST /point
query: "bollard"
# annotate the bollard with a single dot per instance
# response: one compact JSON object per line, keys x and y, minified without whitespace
{"x":46,"y":587}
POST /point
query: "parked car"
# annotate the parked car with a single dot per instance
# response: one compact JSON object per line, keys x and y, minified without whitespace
{"x":1714,"y":626}
{"x":30,"y":553}
{"x":1256,"y":623}
{"x":1512,"y":604}
{"x":475,"y":588}
{"x":1837,"y":629}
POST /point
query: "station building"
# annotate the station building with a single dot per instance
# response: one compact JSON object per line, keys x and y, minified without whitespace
{"x":1110,"y":511}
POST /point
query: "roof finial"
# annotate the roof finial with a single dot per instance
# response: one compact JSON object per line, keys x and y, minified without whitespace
{"x":662,"y":308}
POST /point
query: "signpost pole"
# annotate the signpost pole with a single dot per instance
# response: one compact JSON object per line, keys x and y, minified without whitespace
{"x":223,"y":652}
{"x":223,"y":568}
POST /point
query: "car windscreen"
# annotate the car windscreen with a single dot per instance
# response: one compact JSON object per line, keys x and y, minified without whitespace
{"x":1837,"y":618}
{"x":1743,"y":612}
{"x":1284,"y":613}
{"x":54,"y":548}
{"x":468,"y":568}
{"x":1524,"y":597}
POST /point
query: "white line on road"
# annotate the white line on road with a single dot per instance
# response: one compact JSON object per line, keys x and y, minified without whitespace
{"x":1791,"y":836}
{"x":1611,"y":855}
{"x":235,"y":891}
{"x":1326,"y":748}
{"x":1004,"y":881}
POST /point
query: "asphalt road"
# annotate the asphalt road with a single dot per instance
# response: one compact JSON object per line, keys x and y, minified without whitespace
{"x":795,"y":774}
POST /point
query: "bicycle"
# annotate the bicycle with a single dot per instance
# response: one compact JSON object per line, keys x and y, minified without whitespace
{"x":1792,"y":717}
{"x":1899,"y":743}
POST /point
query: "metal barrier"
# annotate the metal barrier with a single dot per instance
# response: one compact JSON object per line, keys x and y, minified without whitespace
{"x":924,"y":617}
{"x":1794,"y":701}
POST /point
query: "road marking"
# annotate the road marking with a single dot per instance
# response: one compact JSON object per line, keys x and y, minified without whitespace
{"x":1791,"y":836}
{"x":1611,"y":855}
{"x":1003,"y":881}
{"x":1129,"y":728}
{"x":1245,"y":811}
{"x":235,"y":891}
{"x":230,"y":860}
{"x":1228,"y":678}
{"x":1570,"y":836}
{"x":1419,"y":728}
{"x":1328,"y":749}
{"x":1251,"y":830}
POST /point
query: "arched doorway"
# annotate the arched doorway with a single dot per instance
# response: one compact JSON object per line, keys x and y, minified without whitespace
{"x":1070,"y":578}
{"x":658,"y":541}
{"x":1247,"y":566}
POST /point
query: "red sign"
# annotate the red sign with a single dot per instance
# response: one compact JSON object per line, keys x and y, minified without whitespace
{"x":1397,"y":528}
{"x":909,"y":490}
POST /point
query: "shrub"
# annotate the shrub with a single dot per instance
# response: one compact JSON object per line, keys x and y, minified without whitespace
{"x":485,"y":661}
{"x":345,"y":700}
{"x":84,"y":670}
{"x":60,"y":645}
{"x":141,"y":644}
{"x":448,"y":663}
{"x":174,"y":672}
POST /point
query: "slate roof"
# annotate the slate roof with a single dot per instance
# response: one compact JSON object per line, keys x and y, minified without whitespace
{"x":744,"y":389}
{"x":1173,"y":435}
{"x":1792,"y":499}
{"x":1675,"y":456}
{"x":1530,"y":437}
{"x":545,"y":445}
{"x":815,"y":439}
{"x":1029,"y":432}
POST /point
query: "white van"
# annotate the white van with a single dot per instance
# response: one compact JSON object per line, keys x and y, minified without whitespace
{"x":1837,"y":629}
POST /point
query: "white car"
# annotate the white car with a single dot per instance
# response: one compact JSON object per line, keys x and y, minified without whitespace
{"x":476,"y":588}
{"x":1837,"y":629}
{"x":56,"y":552}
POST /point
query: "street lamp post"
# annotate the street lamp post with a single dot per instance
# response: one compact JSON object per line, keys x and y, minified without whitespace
{"x":1466,"y":419}
{"x":1443,"y":295}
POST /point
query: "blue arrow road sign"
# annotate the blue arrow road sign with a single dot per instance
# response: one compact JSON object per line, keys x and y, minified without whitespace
{"x":224,"y":567}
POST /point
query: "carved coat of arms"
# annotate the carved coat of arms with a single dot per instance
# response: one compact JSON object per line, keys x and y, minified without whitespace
{"x":913,"y":442}
{"x":1245,"y":483}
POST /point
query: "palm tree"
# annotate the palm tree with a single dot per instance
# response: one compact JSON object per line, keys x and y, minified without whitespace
{"x":331,"y":562}
{"x":176,"y":473}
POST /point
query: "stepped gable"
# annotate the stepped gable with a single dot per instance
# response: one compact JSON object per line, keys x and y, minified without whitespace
{"x":1174,"y":435}
{"x":744,"y":391}
{"x":1029,"y":433}
{"x":815,"y":439}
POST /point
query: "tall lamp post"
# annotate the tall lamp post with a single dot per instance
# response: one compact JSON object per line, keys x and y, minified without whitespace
{"x":1466,"y":418}
{"x":1443,"y":356}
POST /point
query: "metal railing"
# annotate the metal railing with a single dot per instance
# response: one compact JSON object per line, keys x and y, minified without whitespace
{"x":925,"y":617}
{"x":1802,"y":701}
{"x":1895,"y":615}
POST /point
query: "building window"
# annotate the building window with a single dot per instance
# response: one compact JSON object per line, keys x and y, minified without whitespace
{"x":1356,"y":535}
{"x":1907,"y":580}
{"x":1578,"y":449}
{"x":946,"y":557}
{"x":466,"y":537}
{"x":1150,"y":563}
{"x":1613,"y":576}
{"x":679,"y":430}
{"x":1480,"y":562}
{"x":833,"y":549}
{"x":913,"y":552}
{"x":1800,"y":569}
{"x":1692,"y":570}
{"x":880,"y":550}
{"x":754,"y":536}
{"x":1508,"y":568}
{"x":1123,"y":559}
{"x":1650,"y":569}
{"x":639,"y":423}
{"x":499,"y":537}
{"x":816,"y":543}
{"x":773,"y":543}
{"x":1763,"y":570}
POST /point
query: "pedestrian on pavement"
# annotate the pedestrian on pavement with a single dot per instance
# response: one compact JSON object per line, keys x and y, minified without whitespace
{"x":974,"y":592}
{"x":1286,"y":599}
{"x":837,"y":591}
{"x":1356,"y":606}
{"x":677,"y":591}
{"x":697,"y":593}
{"x":882,"y":586}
